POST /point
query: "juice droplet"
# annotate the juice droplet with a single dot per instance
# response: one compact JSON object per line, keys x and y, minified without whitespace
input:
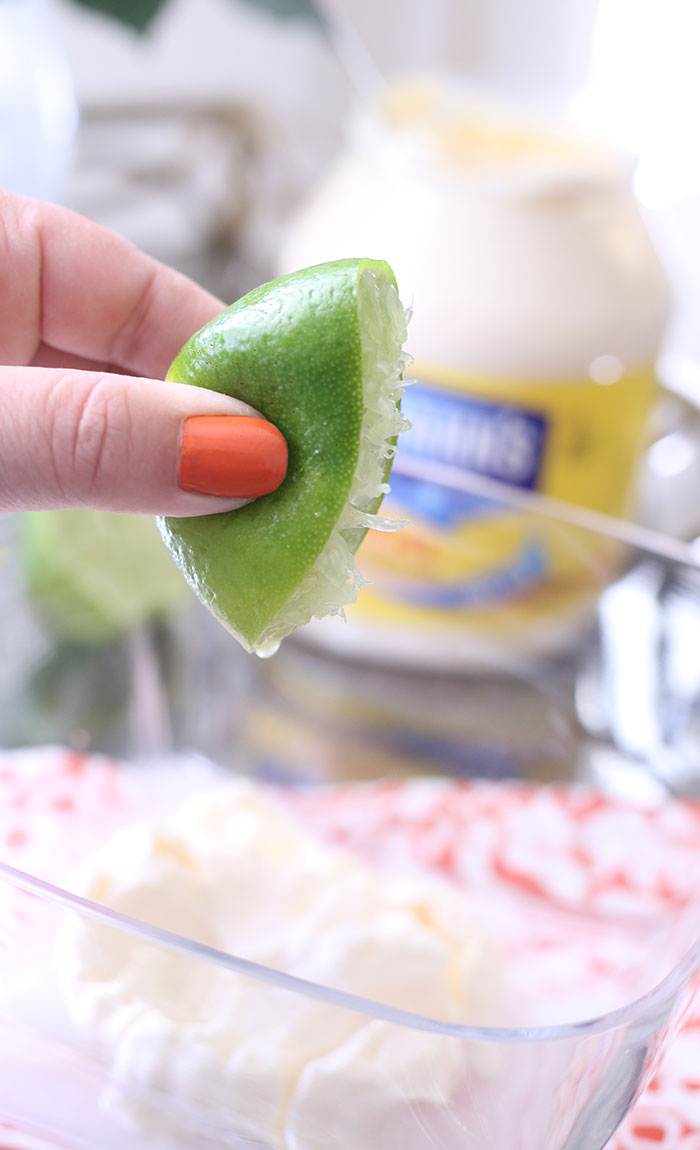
{"x":268,"y":651}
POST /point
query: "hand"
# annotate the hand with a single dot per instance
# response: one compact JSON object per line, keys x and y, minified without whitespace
{"x":78,"y":304}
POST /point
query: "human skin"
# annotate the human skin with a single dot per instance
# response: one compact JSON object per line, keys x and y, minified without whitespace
{"x":89,"y":327}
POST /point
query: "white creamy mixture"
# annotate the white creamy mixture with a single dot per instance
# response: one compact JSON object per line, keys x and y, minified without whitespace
{"x":236,"y":872}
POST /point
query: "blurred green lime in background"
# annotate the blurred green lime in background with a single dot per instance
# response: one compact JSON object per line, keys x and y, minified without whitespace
{"x":94,"y":576}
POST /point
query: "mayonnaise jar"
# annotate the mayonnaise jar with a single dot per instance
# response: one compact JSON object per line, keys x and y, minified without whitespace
{"x":538,"y":307}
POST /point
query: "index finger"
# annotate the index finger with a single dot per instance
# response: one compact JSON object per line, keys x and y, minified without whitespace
{"x":75,"y":285}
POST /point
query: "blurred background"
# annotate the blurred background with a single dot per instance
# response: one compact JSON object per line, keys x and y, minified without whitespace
{"x":222,"y":136}
{"x":193,"y":126}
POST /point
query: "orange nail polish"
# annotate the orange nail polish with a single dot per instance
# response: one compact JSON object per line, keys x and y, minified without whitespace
{"x":236,"y":456}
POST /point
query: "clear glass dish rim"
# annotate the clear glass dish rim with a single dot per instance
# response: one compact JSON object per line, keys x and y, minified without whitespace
{"x":627,"y":531}
{"x":646,"y":541}
{"x":669,"y":987}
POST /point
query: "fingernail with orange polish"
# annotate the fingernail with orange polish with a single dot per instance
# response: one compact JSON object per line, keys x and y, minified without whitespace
{"x":235,"y":456}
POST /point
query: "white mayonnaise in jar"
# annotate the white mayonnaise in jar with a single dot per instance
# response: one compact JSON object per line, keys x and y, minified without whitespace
{"x":538,"y":308}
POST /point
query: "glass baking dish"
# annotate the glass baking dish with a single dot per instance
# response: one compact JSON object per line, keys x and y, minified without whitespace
{"x":553,"y":786}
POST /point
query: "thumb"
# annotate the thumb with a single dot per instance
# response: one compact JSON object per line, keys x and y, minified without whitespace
{"x":92,"y":439}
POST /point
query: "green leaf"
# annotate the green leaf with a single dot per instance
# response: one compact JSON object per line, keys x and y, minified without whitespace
{"x":294,"y":9}
{"x":136,"y":14}
{"x":139,"y":14}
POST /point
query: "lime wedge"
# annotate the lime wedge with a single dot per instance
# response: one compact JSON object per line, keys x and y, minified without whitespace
{"x":319,"y":354}
{"x":94,"y":576}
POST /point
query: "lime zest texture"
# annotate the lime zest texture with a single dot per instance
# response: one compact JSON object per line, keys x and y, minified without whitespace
{"x":319,"y":354}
